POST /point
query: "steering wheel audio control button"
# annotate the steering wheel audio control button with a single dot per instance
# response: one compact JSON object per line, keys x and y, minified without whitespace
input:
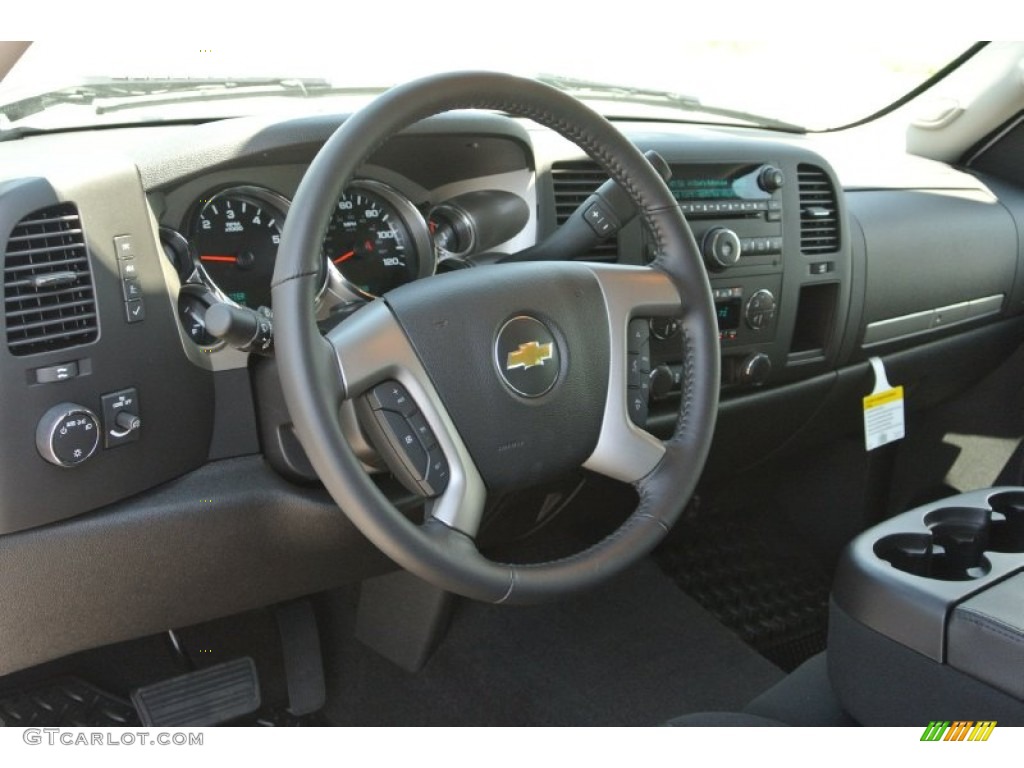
{"x":422,"y":430}
{"x":405,"y":440}
{"x":403,"y":437}
{"x":639,"y":335}
{"x":637,"y":405}
{"x":392,"y":396}
{"x":638,"y":370}
{"x":437,"y":473}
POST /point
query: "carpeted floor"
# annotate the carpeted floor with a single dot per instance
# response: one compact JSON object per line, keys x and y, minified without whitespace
{"x":635,"y":652}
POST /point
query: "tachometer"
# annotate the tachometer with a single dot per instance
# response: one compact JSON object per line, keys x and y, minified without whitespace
{"x":236,"y":233}
{"x":377,"y":239}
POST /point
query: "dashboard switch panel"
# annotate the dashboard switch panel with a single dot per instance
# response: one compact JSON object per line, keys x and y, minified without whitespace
{"x":121,"y":423}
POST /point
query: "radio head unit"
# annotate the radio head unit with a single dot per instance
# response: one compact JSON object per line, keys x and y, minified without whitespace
{"x":717,"y":182}
{"x":735,"y":211}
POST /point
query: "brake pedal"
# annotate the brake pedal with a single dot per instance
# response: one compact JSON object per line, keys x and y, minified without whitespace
{"x":207,"y":696}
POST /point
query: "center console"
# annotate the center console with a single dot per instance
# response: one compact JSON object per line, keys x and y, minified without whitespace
{"x":927,"y":614}
{"x":769,"y":223}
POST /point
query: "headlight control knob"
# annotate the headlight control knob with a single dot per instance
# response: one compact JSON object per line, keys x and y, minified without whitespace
{"x":721,"y":248}
{"x":67,"y":435}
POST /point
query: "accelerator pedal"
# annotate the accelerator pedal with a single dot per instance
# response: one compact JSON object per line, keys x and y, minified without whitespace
{"x":209,"y":696}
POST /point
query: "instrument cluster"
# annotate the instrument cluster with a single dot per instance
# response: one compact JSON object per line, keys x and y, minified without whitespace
{"x":377,"y":239}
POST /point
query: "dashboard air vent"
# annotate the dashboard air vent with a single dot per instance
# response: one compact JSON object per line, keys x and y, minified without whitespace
{"x":48,"y":294}
{"x":574,"y":182}
{"x":819,"y":213}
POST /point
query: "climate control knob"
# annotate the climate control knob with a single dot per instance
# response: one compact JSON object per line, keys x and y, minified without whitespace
{"x":760,"y":310}
{"x":755,"y":369}
{"x":721,"y":248}
{"x":67,"y":435}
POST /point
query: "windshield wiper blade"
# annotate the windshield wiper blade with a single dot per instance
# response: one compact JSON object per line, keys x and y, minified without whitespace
{"x":116,"y":94}
{"x":653,"y":97}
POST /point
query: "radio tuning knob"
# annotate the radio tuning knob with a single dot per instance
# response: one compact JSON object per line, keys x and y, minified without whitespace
{"x":721,"y":248}
{"x":770,"y":178}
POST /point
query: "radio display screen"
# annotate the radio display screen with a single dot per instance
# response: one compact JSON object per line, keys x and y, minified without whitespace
{"x":728,"y":311}
{"x":716,"y":181}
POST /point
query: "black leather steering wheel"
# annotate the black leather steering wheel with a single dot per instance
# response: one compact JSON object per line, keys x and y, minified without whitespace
{"x":438,"y":338}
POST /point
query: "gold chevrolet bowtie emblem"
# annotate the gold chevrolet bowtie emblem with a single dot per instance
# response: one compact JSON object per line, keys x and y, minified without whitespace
{"x":529,"y":354}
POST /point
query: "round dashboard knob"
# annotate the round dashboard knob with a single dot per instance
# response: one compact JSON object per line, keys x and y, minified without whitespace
{"x":67,"y":435}
{"x":755,"y":369}
{"x":760,"y":310}
{"x":770,"y":178}
{"x":721,"y":248}
{"x":662,"y":382}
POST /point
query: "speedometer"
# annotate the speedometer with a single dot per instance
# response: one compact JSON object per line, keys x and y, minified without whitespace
{"x":377,"y":239}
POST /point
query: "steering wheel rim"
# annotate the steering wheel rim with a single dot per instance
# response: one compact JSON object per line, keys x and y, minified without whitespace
{"x":374,"y":344}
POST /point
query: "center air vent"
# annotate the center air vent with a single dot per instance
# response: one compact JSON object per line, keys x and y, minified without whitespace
{"x":574,"y":182}
{"x":49,"y":302}
{"x":819,"y":214}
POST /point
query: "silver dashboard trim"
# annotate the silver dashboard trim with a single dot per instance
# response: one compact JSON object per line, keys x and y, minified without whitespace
{"x":929,"y":320}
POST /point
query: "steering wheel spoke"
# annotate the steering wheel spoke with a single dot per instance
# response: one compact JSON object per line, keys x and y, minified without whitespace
{"x":624,"y":450}
{"x":374,"y":354}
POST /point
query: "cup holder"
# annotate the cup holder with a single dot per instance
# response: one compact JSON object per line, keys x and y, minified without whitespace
{"x":909,"y":552}
{"x":1007,"y":530}
{"x":953,"y":550}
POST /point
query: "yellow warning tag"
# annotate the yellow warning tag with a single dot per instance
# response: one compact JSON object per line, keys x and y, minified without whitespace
{"x":883,"y":398}
{"x":883,"y":411}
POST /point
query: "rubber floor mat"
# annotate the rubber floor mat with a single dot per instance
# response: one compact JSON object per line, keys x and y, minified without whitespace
{"x":756,"y":582}
{"x":71,"y":702}
{"x":67,"y":702}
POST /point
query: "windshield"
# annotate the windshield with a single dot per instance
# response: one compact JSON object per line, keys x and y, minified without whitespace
{"x":812,"y":86}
